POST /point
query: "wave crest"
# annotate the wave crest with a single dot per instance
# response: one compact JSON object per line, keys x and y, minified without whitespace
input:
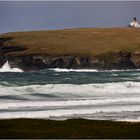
{"x":6,"y":68}
{"x":72,"y":89}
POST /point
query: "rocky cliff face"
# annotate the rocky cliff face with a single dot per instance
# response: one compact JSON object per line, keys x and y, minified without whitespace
{"x":104,"y":61}
{"x":120,"y":60}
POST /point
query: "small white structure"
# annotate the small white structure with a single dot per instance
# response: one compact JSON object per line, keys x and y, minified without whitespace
{"x":134,"y":23}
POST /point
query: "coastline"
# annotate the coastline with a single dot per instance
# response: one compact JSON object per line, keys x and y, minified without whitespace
{"x":70,"y":50}
{"x":101,"y":49}
{"x":72,"y":128}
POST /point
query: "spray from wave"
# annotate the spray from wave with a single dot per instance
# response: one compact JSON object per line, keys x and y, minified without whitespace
{"x":6,"y":68}
{"x":90,"y":70}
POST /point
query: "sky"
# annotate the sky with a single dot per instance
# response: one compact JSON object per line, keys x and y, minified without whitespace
{"x":44,"y":15}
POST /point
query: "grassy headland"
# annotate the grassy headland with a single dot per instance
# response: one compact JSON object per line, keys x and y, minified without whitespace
{"x":85,"y":42}
{"x":75,"y":128}
{"x":95,"y":48}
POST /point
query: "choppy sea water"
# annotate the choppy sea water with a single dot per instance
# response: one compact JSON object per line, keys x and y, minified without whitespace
{"x":62,"y":94}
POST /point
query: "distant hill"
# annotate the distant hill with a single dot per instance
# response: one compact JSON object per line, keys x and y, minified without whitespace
{"x":101,"y":43}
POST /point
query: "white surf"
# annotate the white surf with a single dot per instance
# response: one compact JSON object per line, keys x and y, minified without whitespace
{"x":6,"y":68}
{"x":74,"y":70}
{"x":106,"y":101}
{"x":89,"y":70}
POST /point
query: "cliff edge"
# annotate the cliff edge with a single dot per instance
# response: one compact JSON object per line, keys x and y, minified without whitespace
{"x":92,"y":48}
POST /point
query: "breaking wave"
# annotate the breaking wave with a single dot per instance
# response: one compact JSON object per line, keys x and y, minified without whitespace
{"x":50,"y":94}
{"x":112,"y":101}
{"x":74,"y":70}
{"x":6,"y":68}
{"x":90,"y":70}
{"x":83,"y":89}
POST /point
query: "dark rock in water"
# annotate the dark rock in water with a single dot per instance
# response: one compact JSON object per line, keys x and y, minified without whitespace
{"x":121,"y":60}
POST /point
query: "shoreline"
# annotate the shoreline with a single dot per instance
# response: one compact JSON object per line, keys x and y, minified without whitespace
{"x":71,"y":128}
{"x":57,"y":69}
{"x":91,"y":48}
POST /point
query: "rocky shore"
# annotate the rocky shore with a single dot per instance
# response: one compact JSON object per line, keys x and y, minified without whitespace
{"x":26,"y":56}
{"x":121,"y":60}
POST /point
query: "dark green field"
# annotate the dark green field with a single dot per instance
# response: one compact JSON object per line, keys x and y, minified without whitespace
{"x":75,"y":128}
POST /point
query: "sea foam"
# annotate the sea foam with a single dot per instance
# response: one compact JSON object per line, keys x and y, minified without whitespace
{"x":90,"y":70}
{"x":74,"y":70}
{"x":72,"y":89}
{"x":117,"y":101}
{"x":6,"y":68}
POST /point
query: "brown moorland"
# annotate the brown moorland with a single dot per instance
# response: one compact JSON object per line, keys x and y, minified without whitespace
{"x":82,"y":42}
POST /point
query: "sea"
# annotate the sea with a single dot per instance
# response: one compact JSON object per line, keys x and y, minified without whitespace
{"x":60,"y":94}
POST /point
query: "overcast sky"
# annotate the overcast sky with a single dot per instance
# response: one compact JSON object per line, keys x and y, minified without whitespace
{"x":23,"y":16}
